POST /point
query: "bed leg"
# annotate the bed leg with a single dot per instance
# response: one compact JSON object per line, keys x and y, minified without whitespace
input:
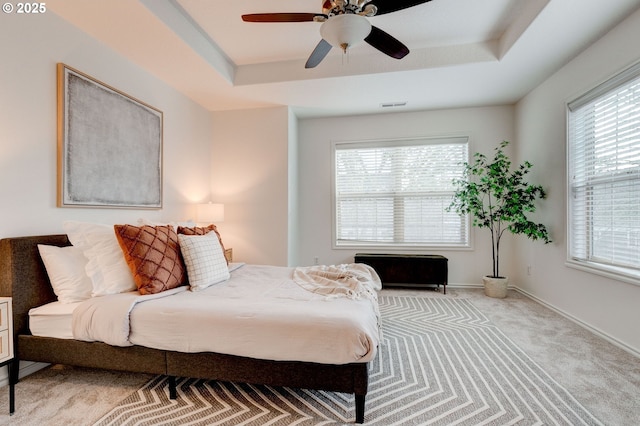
{"x":173,"y":393}
{"x":360,"y":408}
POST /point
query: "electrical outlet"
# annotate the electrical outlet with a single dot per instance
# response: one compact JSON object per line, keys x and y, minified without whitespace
{"x":528,"y":269}
{"x":315,"y":260}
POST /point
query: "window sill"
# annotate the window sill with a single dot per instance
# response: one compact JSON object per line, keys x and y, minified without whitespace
{"x":399,"y":247}
{"x":627,"y":275}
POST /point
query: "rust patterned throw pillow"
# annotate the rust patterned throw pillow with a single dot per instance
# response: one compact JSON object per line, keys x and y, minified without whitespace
{"x":153,"y":255}
{"x":201,"y":230}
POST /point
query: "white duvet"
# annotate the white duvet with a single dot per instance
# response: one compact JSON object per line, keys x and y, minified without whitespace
{"x":260,"y":312}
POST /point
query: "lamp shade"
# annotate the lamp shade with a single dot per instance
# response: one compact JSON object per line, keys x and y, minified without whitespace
{"x":210,"y":212}
{"x":346,"y":30}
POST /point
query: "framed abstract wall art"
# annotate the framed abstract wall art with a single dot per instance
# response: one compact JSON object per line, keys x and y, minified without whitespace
{"x":109,"y":146}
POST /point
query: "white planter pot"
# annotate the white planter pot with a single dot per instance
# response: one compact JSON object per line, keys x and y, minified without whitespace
{"x":495,"y":287}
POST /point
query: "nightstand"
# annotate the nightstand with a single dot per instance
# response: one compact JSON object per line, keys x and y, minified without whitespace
{"x":6,"y":345}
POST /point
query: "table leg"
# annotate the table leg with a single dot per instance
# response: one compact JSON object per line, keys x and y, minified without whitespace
{"x":14,"y":370}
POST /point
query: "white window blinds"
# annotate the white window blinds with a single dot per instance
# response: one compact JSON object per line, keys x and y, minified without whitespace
{"x":395,"y":193}
{"x":604,"y":175}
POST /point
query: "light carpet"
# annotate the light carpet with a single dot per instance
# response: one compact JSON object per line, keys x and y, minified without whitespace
{"x":442,"y":362}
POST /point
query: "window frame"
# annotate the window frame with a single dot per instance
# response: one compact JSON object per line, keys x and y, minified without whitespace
{"x":389,"y":142}
{"x":621,"y":273}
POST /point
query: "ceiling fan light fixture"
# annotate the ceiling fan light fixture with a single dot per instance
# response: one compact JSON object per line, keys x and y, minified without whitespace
{"x":345,"y":30}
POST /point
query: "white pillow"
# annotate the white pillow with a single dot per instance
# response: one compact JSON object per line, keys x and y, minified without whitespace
{"x":66,"y":269}
{"x":204,"y":259}
{"x":106,"y":266}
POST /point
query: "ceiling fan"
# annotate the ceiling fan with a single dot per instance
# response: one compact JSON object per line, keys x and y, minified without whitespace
{"x":344,"y":23}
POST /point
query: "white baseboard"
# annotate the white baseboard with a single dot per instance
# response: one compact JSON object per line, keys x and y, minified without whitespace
{"x":26,"y":368}
{"x":464,"y":285}
{"x":581,"y":323}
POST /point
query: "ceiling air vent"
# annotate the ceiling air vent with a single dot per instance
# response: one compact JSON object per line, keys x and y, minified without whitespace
{"x":393,"y":104}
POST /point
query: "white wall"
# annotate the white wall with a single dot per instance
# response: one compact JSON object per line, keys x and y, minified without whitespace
{"x":30,"y":47}
{"x":293,"y":178}
{"x":251,"y":178}
{"x":607,"y":305}
{"x":486,"y":128}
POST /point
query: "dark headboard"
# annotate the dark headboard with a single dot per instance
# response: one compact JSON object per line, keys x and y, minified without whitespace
{"x":23,"y":276}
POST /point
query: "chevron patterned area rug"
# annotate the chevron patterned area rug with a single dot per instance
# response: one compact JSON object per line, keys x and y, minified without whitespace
{"x":442,"y":362}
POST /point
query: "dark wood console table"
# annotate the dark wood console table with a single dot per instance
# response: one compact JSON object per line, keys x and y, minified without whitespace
{"x":408,"y":270}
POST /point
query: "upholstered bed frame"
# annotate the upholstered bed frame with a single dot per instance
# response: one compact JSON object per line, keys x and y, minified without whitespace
{"x":24,"y":278}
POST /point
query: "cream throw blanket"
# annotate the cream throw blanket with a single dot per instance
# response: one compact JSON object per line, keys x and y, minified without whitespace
{"x":353,"y":280}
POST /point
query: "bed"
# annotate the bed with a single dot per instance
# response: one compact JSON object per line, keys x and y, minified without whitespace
{"x":24,"y":278}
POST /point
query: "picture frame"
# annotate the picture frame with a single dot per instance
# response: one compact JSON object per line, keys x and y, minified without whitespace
{"x":109,"y":145}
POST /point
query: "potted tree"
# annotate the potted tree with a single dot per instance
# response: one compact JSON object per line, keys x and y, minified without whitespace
{"x":498,"y":198}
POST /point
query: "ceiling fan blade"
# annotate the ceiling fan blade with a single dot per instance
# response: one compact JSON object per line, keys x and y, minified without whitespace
{"x":280,"y":17}
{"x":388,"y":6}
{"x":318,"y":54}
{"x":386,"y":43}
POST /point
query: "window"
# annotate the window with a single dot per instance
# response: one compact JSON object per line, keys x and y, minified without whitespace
{"x":395,"y":193}
{"x":604,"y":177}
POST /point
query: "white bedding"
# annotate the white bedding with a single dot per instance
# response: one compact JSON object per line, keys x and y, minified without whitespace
{"x":52,"y":320}
{"x":260,"y":312}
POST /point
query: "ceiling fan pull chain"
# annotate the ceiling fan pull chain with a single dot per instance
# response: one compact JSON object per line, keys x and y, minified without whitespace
{"x":345,"y":54}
